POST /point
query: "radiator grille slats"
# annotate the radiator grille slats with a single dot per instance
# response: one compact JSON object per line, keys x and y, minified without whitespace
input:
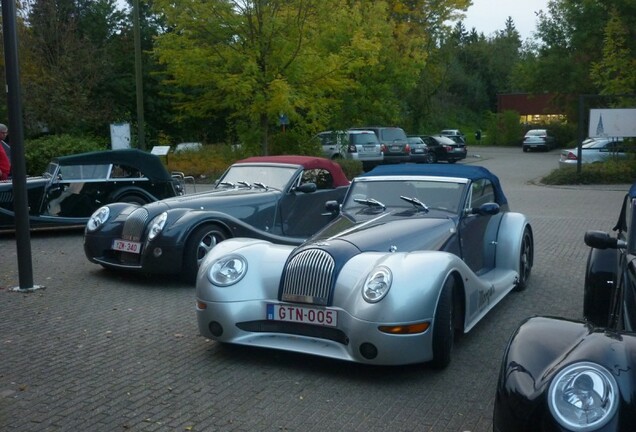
{"x":308,"y":278}
{"x":134,"y":225}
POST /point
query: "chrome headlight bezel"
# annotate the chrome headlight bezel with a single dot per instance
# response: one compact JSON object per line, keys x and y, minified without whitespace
{"x":157,"y":225}
{"x":227,"y":270}
{"x":566,"y":391}
{"x":377,"y":284}
{"x":98,"y":219}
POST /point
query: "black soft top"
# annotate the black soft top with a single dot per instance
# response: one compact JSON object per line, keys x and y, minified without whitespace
{"x":147,"y":163}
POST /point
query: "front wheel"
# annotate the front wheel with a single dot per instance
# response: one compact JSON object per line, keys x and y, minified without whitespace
{"x":200,"y":242}
{"x":443,"y":329}
{"x":526,"y":258}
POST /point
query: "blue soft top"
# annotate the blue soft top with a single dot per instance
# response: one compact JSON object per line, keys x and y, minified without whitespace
{"x":472,"y":172}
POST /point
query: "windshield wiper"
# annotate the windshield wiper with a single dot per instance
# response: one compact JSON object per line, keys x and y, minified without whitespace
{"x":227,"y":183}
{"x":371,"y":202}
{"x":416,"y":202}
{"x":260,"y":185}
{"x":244,"y":183}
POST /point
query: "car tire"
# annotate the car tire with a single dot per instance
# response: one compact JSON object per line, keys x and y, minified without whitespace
{"x":526,"y":259}
{"x":200,"y":242}
{"x":525,"y":149}
{"x":443,"y":328}
{"x":452,"y":161}
{"x":433,"y":158}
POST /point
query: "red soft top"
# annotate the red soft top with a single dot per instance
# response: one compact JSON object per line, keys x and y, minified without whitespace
{"x":307,"y":162}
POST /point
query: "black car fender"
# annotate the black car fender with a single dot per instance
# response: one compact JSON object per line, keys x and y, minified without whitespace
{"x":600,"y":282}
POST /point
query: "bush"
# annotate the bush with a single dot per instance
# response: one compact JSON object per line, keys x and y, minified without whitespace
{"x":351,"y":168}
{"x":208,"y":163}
{"x":610,"y":172}
{"x":503,"y":129}
{"x":292,"y":143}
{"x":39,"y":152}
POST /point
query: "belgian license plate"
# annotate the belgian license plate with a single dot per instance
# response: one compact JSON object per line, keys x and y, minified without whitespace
{"x":395,"y":148}
{"x":300,"y":314}
{"x":127,"y":246}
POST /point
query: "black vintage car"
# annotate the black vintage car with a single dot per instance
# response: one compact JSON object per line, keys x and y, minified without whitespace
{"x":569,"y":375}
{"x":278,"y":198}
{"x":74,"y":186}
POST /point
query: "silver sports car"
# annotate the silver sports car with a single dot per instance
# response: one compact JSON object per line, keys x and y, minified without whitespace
{"x":418,"y":255}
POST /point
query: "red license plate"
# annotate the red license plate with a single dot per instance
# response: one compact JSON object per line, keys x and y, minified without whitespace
{"x":127,"y":246}
{"x":301,"y":314}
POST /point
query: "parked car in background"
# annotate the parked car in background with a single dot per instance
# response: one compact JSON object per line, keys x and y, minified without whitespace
{"x":454,"y":134}
{"x":538,"y":139}
{"x":395,"y":146}
{"x":73,"y":187}
{"x":444,"y":149}
{"x":188,"y":146}
{"x":419,"y":150}
{"x":362,"y":145}
{"x":277,"y":198}
{"x":594,"y":150}
{"x":419,"y":254}
{"x":561,"y":374}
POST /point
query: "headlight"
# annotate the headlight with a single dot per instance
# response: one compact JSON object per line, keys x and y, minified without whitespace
{"x":157,"y":224}
{"x":98,"y":219}
{"x":228,"y":270}
{"x":377,"y":285}
{"x":583,"y":397}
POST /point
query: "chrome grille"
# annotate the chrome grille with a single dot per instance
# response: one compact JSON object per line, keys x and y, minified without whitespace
{"x":134,"y":225}
{"x":308,"y":278}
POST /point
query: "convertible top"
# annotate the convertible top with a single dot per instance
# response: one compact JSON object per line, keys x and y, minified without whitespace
{"x":472,"y":172}
{"x":307,"y":162}
{"x":147,"y":163}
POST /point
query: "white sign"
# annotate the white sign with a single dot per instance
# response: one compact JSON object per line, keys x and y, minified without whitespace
{"x":160,"y":150}
{"x":120,"y":136}
{"x":613,"y":123}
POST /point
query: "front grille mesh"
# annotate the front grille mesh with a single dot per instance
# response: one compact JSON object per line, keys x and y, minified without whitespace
{"x":134,"y":225}
{"x":308,"y":278}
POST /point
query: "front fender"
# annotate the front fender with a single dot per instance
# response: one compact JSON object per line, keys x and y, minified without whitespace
{"x":509,"y":240}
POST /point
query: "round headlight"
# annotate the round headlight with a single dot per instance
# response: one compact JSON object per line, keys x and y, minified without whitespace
{"x":228,"y":270}
{"x":583,"y":397}
{"x":98,"y":219}
{"x":157,"y":224}
{"x":377,"y":284}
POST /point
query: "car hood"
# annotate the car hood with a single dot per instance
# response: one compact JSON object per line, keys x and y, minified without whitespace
{"x":215,"y":200}
{"x":388,"y":232}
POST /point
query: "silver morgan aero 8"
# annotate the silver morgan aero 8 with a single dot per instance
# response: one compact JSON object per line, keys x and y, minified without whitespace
{"x":277,"y":198}
{"x":418,"y":255}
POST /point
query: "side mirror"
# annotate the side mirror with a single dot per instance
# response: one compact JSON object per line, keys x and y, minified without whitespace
{"x":306,"y":188}
{"x":486,"y":209}
{"x":332,"y":206}
{"x":601,"y":240}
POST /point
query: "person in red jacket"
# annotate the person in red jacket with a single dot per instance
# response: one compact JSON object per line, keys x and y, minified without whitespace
{"x":5,"y":165}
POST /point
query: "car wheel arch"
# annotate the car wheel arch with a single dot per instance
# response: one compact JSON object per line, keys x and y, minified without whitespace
{"x":448,"y":313}
{"x":190,"y":268}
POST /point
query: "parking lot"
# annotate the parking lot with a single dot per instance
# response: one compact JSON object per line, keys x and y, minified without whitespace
{"x":102,"y":351}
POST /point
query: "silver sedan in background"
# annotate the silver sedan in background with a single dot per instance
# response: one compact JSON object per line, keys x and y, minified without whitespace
{"x":594,"y":150}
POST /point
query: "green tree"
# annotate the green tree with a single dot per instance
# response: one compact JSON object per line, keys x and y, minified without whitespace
{"x":615,"y":72}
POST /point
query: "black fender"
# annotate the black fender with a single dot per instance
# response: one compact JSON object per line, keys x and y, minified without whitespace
{"x":601,"y":280}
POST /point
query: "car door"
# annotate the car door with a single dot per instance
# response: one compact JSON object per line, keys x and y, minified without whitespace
{"x":73,"y":191}
{"x":303,"y":213}
{"x":478,"y":233}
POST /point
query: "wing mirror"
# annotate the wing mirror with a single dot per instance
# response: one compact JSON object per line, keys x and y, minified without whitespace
{"x":306,"y":188}
{"x":602,"y":240}
{"x":486,"y":209}
{"x":332,"y":206}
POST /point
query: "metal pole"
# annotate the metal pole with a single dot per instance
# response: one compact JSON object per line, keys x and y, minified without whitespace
{"x":18,"y":165}
{"x":138,"y":78}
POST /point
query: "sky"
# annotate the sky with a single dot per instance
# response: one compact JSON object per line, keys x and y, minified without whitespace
{"x":488,"y":16}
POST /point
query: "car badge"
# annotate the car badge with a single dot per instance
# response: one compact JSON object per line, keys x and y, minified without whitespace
{"x":321,"y":244}
{"x":393,"y":248}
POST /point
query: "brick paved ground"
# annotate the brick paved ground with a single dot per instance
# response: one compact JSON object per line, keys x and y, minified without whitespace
{"x":102,"y":351}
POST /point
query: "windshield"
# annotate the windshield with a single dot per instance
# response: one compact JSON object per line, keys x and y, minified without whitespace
{"x":442,"y":195}
{"x":247,"y":175}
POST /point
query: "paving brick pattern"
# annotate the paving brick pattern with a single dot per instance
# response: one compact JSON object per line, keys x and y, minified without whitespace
{"x":102,"y":351}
